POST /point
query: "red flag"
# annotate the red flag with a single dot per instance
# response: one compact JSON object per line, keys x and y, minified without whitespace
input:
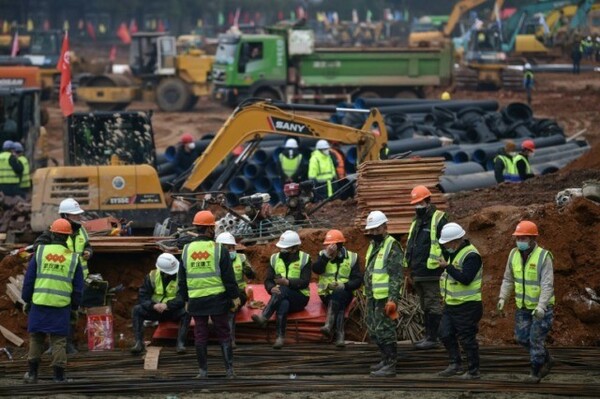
{"x":112,"y":56}
{"x":133,"y":28}
{"x":161,"y":26}
{"x":90,"y":30}
{"x":65,"y":97}
{"x":15,"y":45}
{"x":236,"y":18}
{"x":123,"y":34}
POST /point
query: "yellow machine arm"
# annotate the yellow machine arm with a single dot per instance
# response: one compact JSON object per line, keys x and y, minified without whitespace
{"x":460,"y":8}
{"x":259,"y":119}
{"x":496,"y":10}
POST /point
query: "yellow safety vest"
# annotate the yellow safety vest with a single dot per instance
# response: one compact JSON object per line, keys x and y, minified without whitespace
{"x":77,"y":245}
{"x":55,"y":272}
{"x":26,"y":176}
{"x":520,"y":157}
{"x":238,"y":269}
{"x":510,"y":172}
{"x":7,"y":174}
{"x":160,"y":294}
{"x":294,"y":270}
{"x":435,"y":250}
{"x":455,"y":293}
{"x":527,"y":283}
{"x":321,"y":169}
{"x":380,"y":279}
{"x":290,"y":166}
{"x":201,"y":260}
{"x":334,"y":272}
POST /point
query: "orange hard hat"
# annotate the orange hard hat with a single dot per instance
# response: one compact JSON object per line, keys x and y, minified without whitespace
{"x":61,"y":226}
{"x":334,"y":237}
{"x":186,"y":138}
{"x":526,"y":228}
{"x":418,"y":194}
{"x":528,"y":145}
{"x":204,"y":218}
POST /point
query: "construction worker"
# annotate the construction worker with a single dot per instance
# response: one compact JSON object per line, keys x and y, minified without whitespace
{"x":576,"y":56}
{"x":25,"y":184}
{"x":287,"y":281}
{"x":158,"y":300}
{"x":445,"y":96}
{"x":52,"y":286}
{"x":321,"y":169}
{"x":521,"y":161}
{"x":528,"y":81}
{"x":290,"y":162}
{"x":339,"y":276}
{"x":207,"y":285}
{"x":11,"y":170}
{"x":242,"y":268}
{"x":529,"y":270}
{"x":186,"y":153}
{"x":340,"y":161}
{"x":587,"y":45}
{"x":460,"y":286}
{"x":504,"y":167}
{"x":383,"y":285}
{"x":423,"y":253}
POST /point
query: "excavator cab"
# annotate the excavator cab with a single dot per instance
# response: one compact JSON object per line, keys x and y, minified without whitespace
{"x":44,"y":48}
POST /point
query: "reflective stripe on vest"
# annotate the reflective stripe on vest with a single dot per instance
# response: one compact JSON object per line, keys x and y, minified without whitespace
{"x":435,"y":250}
{"x":510,"y":172}
{"x":201,"y":261}
{"x":325,"y":170}
{"x":380,"y":279}
{"x":77,"y":244}
{"x":290,"y":166}
{"x":160,"y":295}
{"x":238,"y":269}
{"x":334,"y":272}
{"x":520,"y":157}
{"x":294,"y":270}
{"x":25,"y":177}
{"x":55,"y":272}
{"x":7,"y":174}
{"x":527,"y":279}
{"x":455,"y":293}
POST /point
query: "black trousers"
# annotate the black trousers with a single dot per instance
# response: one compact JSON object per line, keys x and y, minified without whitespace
{"x":460,"y":324}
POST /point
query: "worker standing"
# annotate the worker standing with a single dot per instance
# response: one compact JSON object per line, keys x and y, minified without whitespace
{"x":504,"y":167}
{"x":159,"y":300}
{"x":52,"y":286}
{"x":288,"y":277}
{"x":11,"y":170}
{"x":25,"y":183}
{"x":290,"y":162}
{"x":521,"y":161}
{"x":242,"y":268}
{"x":423,"y":254}
{"x":576,"y":56}
{"x":528,"y":81}
{"x":186,"y":153}
{"x":383,"y":285}
{"x":207,"y":285}
{"x":339,"y":276}
{"x":529,"y":270}
{"x":340,"y":161}
{"x":321,"y":169}
{"x":460,"y":286}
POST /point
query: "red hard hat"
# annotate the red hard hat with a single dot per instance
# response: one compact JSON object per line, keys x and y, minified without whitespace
{"x":526,"y":228}
{"x":61,"y":226}
{"x":528,"y":145}
{"x":186,"y":138}
{"x":418,"y":194}
{"x":204,"y":218}
{"x":334,"y":237}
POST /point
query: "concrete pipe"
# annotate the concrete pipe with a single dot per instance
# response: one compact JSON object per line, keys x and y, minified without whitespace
{"x":252,"y":170}
{"x":165,"y":168}
{"x":517,"y":112}
{"x":240,"y":185}
{"x":400,"y":146}
{"x":262,"y":184}
{"x":454,"y":184}
{"x":457,"y":169}
{"x":444,"y":151}
{"x":452,"y":106}
{"x":549,"y":157}
{"x":272,"y":169}
{"x":263,"y":155}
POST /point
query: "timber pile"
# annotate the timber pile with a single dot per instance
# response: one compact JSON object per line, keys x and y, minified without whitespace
{"x":110,"y":244}
{"x":14,"y":288}
{"x":15,"y":216}
{"x":386,"y":185}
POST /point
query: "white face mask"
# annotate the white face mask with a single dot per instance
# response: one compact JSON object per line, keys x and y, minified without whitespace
{"x":191,"y":146}
{"x":420,"y":206}
{"x":326,"y":152}
{"x":232,"y":255}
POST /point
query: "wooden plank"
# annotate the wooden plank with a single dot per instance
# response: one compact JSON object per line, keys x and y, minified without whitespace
{"x":14,"y":293}
{"x":10,"y":336}
{"x":151,"y":358}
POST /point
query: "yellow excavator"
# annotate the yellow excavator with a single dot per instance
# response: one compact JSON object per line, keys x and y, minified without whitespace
{"x":111,"y":158}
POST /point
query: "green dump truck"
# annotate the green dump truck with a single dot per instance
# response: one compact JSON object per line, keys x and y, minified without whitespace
{"x":286,"y":66}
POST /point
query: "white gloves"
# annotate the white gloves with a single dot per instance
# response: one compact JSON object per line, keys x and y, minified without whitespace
{"x":538,"y":313}
{"x":500,"y":304}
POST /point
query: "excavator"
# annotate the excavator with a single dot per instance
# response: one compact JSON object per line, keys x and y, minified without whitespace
{"x":110,"y":158}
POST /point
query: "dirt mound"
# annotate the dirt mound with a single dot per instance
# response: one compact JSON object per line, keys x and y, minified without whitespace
{"x":590,"y":160}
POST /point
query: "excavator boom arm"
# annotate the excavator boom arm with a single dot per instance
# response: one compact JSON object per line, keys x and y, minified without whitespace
{"x":259,"y":119}
{"x":460,"y":8}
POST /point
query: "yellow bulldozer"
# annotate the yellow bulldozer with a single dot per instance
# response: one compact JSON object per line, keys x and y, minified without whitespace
{"x":157,"y":73}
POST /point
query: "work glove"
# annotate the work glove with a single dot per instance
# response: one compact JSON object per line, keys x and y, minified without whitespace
{"x":237,"y":302}
{"x":391,"y":310}
{"x":538,"y":313}
{"x":500,"y":305}
{"x":27,"y":308}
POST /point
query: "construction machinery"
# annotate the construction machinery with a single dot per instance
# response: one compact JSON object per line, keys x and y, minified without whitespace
{"x":175,"y":81}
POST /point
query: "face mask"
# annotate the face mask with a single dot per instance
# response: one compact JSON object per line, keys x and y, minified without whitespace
{"x":232,"y":255}
{"x":523,"y":245}
{"x":290,"y":153}
{"x":420,"y":206}
{"x":512,"y":154}
{"x":326,"y":152}
{"x":421,"y":211}
{"x":377,"y":237}
{"x":191,"y":146}
{"x":450,"y":250}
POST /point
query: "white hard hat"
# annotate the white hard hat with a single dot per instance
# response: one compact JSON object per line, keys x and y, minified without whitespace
{"x":288,"y":239}
{"x":451,"y":232}
{"x":322,"y":145}
{"x":375,"y":219}
{"x":589,"y":38}
{"x":167,"y":263}
{"x":527,"y":65}
{"x":226,"y":238}
{"x":291,"y":143}
{"x":70,"y":206}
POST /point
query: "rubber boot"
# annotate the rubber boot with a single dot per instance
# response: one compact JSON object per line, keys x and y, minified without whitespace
{"x":547,"y":366}
{"x":452,"y":370}
{"x":455,"y":366}
{"x":59,"y":375}
{"x":228,"y":360}
{"x":231,"y":320}
{"x":382,"y":362}
{"x":184,"y":323}
{"x":70,"y":348}
{"x":430,"y":341}
{"x":389,"y":369}
{"x":138,"y":333}
{"x":473,"y":365}
{"x":31,"y":376}
{"x":202,"y":357}
{"x":281,"y":324}
{"x":536,"y":375}
{"x":328,"y":326}
{"x":340,"y":342}
{"x":267,"y":312}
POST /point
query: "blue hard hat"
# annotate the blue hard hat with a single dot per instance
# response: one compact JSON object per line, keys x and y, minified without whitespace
{"x":8,"y":145}
{"x":18,"y":147}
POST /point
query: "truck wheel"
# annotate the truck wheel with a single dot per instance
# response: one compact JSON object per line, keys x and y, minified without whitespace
{"x":368,"y":94}
{"x":267,"y":93}
{"x":173,"y":95}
